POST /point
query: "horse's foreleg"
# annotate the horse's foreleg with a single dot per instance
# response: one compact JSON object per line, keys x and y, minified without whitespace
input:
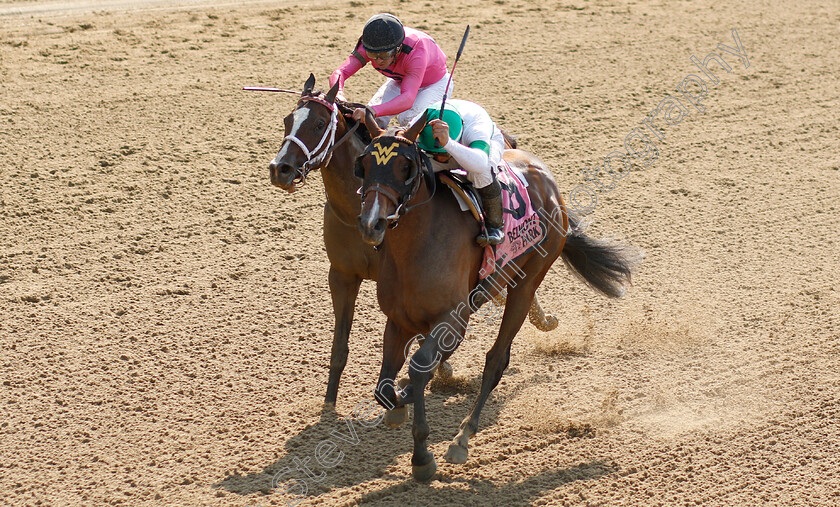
{"x":387,"y":392}
{"x":518,"y":303}
{"x":423,"y":362}
{"x":343,"y":289}
{"x":449,"y":336}
{"x":440,"y":343}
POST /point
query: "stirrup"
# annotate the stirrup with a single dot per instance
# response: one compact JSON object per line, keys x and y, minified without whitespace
{"x":490,"y":236}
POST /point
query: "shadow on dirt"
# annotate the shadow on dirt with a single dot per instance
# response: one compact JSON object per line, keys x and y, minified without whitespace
{"x":358,"y":453}
{"x":484,"y":492}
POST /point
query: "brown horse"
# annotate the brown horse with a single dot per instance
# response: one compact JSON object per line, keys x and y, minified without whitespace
{"x":429,"y":272}
{"x":319,"y":135}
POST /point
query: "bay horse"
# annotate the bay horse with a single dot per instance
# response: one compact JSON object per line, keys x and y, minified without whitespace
{"x":320,"y":135}
{"x":429,"y":272}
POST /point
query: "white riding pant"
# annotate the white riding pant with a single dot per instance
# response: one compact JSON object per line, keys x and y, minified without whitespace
{"x":425,"y":96}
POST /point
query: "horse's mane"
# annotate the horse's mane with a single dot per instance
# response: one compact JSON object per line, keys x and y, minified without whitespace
{"x":347,"y":108}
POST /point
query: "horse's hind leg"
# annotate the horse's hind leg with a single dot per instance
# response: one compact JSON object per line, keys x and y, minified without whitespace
{"x":540,"y":320}
{"x":517,"y":307}
{"x":343,"y":289}
{"x":536,"y":315}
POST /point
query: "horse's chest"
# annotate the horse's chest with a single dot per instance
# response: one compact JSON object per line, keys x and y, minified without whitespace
{"x":408,"y":316}
{"x":409,"y":305}
{"x":349,"y":254}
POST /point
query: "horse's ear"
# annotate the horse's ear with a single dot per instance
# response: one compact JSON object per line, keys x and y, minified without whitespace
{"x":310,"y":83}
{"x":415,"y":129}
{"x":332,"y":93}
{"x":372,"y":126}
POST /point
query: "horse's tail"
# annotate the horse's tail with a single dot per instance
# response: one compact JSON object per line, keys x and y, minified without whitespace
{"x":603,"y":265}
{"x":510,"y":141}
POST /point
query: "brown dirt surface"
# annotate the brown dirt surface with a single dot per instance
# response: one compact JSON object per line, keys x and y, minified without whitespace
{"x":165,"y":320}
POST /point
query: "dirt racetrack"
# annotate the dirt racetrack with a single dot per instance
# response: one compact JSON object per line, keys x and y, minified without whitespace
{"x":165,"y":321}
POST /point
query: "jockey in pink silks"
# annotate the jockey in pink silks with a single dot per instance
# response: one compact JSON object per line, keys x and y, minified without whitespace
{"x":411,"y":60}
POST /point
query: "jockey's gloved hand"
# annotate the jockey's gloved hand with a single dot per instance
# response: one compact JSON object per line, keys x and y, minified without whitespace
{"x":440,"y":131}
{"x":359,"y":114}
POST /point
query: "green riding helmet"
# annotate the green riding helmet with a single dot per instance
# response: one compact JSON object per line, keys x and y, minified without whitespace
{"x":426,"y":140}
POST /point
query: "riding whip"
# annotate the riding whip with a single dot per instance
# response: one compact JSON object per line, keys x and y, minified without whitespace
{"x":262,"y":89}
{"x":446,"y":90}
{"x":457,"y":56}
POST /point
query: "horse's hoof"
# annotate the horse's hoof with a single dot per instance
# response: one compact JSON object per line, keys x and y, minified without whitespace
{"x":395,"y":417}
{"x":423,"y":473}
{"x":549,"y":324}
{"x":456,"y":454}
{"x":444,"y":371}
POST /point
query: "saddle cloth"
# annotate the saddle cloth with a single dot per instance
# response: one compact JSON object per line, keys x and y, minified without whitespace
{"x":522,"y":224}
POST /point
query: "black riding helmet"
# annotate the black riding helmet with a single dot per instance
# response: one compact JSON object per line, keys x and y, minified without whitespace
{"x":382,"y":32}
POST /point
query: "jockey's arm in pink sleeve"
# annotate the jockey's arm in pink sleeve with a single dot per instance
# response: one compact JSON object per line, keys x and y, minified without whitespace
{"x":350,"y":66}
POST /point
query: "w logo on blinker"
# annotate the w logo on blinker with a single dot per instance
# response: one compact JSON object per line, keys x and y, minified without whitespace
{"x":383,"y":154}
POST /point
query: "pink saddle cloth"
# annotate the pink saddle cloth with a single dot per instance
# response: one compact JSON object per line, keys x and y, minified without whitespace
{"x":522,"y":224}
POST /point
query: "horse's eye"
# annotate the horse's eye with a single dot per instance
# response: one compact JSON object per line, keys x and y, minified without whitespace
{"x":321,"y":124}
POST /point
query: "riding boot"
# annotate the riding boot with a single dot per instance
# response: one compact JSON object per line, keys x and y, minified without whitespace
{"x":491,"y":199}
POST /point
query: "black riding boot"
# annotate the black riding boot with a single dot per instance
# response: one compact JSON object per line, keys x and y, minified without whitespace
{"x":491,"y":198}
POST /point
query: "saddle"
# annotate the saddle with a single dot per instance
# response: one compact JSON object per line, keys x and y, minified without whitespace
{"x":464,"y":189}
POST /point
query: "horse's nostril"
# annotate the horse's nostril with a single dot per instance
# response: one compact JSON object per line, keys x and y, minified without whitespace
{"x":279,"y":172}
{"x":285,"y":168}
{"x":380,"y":225}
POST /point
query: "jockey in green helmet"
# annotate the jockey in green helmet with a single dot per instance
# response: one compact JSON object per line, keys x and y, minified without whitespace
{"x":467,"y":138}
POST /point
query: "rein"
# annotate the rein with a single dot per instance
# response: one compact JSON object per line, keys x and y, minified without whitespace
{"x":336,"y":215}
{"x":429,"y":175}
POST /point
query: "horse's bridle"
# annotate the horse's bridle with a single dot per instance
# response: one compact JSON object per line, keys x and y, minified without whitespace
{"x":327,"y":143}
{"x":410,"y":150}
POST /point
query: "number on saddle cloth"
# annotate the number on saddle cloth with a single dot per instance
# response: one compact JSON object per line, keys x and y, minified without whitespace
{"x":517,"y":203}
